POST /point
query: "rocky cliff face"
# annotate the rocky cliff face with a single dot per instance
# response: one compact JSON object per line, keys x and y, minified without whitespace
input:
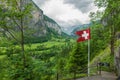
{"x":43,"y":25}
{"x":37,"y":26}
{"x":117,"y":56}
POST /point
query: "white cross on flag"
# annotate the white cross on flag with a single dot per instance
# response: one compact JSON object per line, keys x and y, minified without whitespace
{"x":84,"y":35}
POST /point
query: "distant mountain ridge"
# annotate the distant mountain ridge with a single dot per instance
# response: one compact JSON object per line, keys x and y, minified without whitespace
{"x":71,"y":30}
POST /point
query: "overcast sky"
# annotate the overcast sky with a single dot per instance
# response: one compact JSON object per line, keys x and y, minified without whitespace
{"x":67,"y":12}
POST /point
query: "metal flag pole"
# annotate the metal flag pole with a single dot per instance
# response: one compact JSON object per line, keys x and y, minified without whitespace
{"x":88,"y":58}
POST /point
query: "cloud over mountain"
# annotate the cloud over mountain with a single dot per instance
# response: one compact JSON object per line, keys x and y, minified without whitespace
{"x":67,"y":12}
{"x":83,"y":5}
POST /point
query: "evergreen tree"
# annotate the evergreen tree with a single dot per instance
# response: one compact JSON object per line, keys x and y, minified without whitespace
{"x":78,"y":59}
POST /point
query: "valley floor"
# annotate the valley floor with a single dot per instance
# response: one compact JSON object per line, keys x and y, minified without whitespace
{"x":104,"y":76}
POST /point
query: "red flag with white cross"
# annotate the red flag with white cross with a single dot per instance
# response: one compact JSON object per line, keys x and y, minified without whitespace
{"x":84,"y":35}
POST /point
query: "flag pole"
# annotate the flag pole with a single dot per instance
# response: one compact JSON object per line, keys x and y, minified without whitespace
{"x":88,"y":58}
{"x":85,"y":35}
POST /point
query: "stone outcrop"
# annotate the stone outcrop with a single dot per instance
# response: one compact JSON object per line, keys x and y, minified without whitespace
{"x":117,"y":55}
{"x":43,"y":24}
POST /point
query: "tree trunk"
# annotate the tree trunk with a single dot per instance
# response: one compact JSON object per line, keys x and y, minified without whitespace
{"x":22,"y":37}
{"x":112,"y":40}
{"x":75,"y":75}
{"x":22,"y":34}
{"x":22,"y":43}
{"x":57,"y":76}
{"x":112,"y":47}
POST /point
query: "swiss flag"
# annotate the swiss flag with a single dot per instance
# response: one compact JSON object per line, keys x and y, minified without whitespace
{"x":84,"y":35}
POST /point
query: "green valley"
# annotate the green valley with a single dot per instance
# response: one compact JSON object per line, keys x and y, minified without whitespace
{"x":33,"y":46}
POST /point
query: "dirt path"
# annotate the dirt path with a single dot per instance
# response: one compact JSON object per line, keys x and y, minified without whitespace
{"x":104,"y":76}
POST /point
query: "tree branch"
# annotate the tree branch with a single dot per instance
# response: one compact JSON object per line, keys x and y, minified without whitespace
{"x":16,"y":23}
{"x":6,"y":29}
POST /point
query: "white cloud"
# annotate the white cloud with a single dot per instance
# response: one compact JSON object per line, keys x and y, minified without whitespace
{"x":65,"y":14}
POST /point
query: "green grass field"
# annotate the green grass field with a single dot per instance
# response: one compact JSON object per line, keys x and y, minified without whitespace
{"x":46,"y":46}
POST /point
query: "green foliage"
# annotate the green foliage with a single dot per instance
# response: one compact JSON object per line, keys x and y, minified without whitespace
{"x":13,"y":25}
{"x":103,"y":56}
{"x":110,"y":18}
{"x":99,"y":41}
{"x":4,"y":69}
{"x":78,"y":59}
{"x":17,"y":71}
{"x":11,"y":16}
{"x":36,"y":39}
